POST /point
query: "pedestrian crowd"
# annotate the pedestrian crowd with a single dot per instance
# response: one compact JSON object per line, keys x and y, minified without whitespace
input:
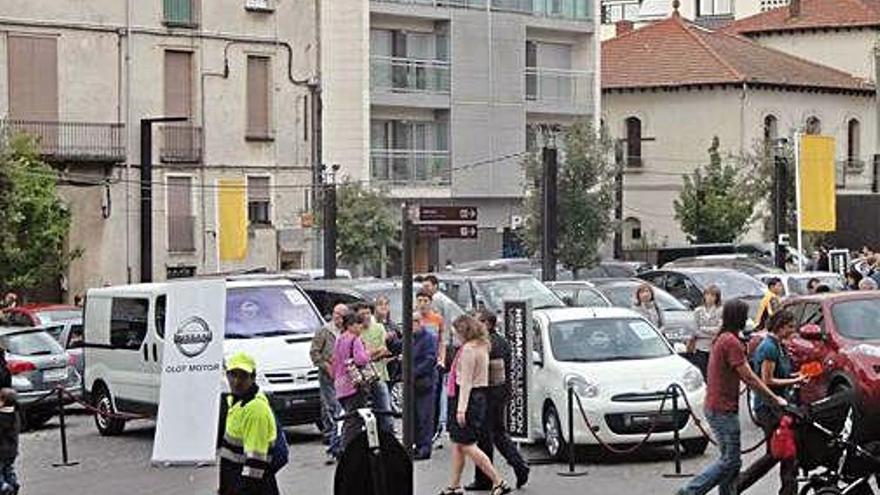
{"x":460,"y":380}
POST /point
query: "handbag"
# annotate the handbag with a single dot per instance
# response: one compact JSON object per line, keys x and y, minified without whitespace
{"x":361,"y":377}
{"x":783,"y":444}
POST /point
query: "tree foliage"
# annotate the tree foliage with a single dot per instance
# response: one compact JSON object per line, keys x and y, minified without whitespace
{"x":758,"y":166}
{"x":585,"y":196}
{"x":364,"y":224}
{"x":34,"y":222}
{"x":717,"y":201}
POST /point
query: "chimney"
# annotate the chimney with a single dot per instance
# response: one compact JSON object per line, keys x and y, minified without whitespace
{"x":794,"y":8}
{"x":622,"y":27}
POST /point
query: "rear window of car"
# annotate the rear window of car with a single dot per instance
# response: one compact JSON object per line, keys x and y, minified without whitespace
{"x":54,"y":316}
{"x":858,"y":319}
{"x":37,"y":343}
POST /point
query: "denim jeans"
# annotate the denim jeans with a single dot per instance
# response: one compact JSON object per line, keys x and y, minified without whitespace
{"x":329,"y":410}
{"x":381,"y":396}
{"x":8,"y":478}
{"x":442,"y":402}
{"x":723,"y":472}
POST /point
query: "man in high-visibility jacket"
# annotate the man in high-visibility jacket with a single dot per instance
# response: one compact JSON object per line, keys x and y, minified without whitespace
{"x":248,"y":431}
{"x":770,"y":303}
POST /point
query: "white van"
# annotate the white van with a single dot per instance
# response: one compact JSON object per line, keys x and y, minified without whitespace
{"x":273,"y":320}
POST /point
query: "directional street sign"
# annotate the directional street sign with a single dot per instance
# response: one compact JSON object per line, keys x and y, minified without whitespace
{"x":447,"y":214}
{"x":448,"y":230}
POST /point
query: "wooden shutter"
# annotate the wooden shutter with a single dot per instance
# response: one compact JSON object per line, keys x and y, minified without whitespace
{"x":258,"y":189}
{"x":258,"y":97}
{"x":181,"y":223}
{"x":178,"y":84}
{"x":33,"y":78}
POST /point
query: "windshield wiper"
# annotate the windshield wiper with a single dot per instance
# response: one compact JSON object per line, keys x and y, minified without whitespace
{"x":273,"y":333}
{"x":549,"y":306}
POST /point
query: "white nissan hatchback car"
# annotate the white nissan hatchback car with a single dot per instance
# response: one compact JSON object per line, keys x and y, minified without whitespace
{"x":620,"y":367}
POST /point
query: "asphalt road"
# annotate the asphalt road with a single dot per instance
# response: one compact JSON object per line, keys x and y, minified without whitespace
{"x":121,"y":465}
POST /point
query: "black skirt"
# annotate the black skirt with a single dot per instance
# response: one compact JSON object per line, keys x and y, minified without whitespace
{"x":475,"y":417}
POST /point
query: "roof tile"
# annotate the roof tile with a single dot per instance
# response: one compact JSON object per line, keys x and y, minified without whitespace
{"x":814,"y":14}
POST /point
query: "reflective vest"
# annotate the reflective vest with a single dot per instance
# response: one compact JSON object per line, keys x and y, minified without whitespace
{"x":244,"y":450}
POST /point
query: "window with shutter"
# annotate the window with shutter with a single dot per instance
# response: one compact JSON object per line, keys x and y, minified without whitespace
{"x":259,"y":200}
{"x":180,"y":13}
{"x":258,"y":99}
{"x":181,"y":221}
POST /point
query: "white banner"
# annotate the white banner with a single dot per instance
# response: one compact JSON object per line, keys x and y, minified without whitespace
{"x":192,"y":373}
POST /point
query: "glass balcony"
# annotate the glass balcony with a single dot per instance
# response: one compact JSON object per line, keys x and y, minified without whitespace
{"x":558,"y":87}
{"x":405,"y":75}
{"x":417,"y":168}
{"x":578,"y":10}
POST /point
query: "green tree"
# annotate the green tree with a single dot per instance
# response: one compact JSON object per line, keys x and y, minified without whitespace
{"x":716,"y":203}
{"x":34,"y":222}
{"x":758,"y":165}
{"x":364,"y":225}
{"x":585,"y":196}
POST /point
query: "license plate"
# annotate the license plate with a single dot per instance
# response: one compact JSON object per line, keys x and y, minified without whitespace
{"x":55,"y":375}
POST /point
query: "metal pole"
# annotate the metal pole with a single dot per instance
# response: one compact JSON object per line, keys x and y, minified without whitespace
{"x":618,"y":199}
{"x":146,"y":200}
{"x":548,"y":256}
{"x":676,"y":438}
{"x":779,"y":224}
{"x":330,"y":208}
{"x":797,"y":193}
{"x":407,"y":304}
{"x":570,"y":429}
{"x":63,"y":431}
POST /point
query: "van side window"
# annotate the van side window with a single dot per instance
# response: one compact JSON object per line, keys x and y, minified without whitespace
{"x":160,"y":316}
{"x":128,"y":322}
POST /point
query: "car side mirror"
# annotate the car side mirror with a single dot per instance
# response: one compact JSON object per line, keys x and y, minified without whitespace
{"x":537,"y":359}
{"x":568,"y":300}
{"x":811,"y":332}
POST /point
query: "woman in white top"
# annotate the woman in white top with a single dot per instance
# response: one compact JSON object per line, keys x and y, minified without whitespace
{"x":708,"y":318}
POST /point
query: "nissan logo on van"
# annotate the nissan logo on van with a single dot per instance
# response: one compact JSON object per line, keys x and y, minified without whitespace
{"x":193,"y":336}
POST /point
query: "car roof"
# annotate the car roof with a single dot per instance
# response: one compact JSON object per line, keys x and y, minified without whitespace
{"x":46,"y":307}
{"x":697,"y":269}
{"x":11,"y":330}
{"x":799,"y":275}
{"x":568,"y":314}
{"x":154,"y":287}
{"x":834,"y":297}
{"x":479,"y":275}
{"x":570,"y":283}
{"x":617,"y":281}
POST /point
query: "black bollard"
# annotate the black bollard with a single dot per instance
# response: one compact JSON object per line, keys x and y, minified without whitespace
{"x":571,"y":471}
{"x":65,"y":462}
{"x":676,"y":438}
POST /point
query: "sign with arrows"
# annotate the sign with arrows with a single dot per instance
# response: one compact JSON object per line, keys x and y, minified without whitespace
{"x":447,"y":230}
{"x":447,"y":214}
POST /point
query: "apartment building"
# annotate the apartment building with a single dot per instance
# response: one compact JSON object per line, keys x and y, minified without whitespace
{"x":438,"y":100}
{"x":80,"y":76}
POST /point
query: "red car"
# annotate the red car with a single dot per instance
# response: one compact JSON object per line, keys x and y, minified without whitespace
{"x":35,"y":315}
{"x":842,"y":332}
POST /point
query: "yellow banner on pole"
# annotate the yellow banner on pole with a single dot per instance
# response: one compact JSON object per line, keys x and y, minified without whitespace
{"x":817,"y":177}
{"x":232,"y":215}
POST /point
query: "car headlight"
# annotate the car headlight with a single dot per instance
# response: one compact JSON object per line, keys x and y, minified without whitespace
{"x":692,"y":380}
{"x":582,"y":387}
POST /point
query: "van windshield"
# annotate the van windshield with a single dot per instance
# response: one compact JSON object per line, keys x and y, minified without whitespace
{"x":267,"y":311}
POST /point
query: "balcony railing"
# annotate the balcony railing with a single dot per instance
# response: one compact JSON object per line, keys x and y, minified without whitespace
{"x":74,"y":141}
{"x":474,"y":4}
{"x":404,"y":75}
{"x":180,"y":144}
{"x":558,"y":86}
{"x":579,"y":10}
{"x":181,"y":233}
{"x":411,"y":167}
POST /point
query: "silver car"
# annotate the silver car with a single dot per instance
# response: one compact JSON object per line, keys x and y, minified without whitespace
{"x":38,"y":365}
{"x":69,"y":333}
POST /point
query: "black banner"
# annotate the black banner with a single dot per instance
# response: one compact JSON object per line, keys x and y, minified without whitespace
{"x":518,"y":332}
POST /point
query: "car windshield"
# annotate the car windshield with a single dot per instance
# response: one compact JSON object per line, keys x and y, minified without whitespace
{"x":858,"y":319}
{"x":442,"y":303}
{"x":54,"y":316}
{"x":266,"y":311}
{"x":495,"y":291}
{"x":37,"y":343}
{"x":606,"y":340}
{"x":733,"y":285}
{"x":624,"y":295}
{"x":799,"y":285}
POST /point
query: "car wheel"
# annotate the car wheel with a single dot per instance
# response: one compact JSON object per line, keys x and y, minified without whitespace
{"x":104,"y":404}
{"x":554,"y":442}
{"x":695,"y":446}
{"x":34,"y":420}
{"x":397,"y":397}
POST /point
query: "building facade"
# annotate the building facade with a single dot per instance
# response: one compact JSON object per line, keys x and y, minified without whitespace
{"x":716,"y":84}
{"x":438,"y":100}
{"x":237,"y":73}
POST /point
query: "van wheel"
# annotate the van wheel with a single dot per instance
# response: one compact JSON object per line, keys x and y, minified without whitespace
{"x":554,"y":442}
{"x":107,"y":427}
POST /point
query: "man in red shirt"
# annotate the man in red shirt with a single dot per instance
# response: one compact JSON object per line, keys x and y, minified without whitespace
{"x":727,"y":367}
